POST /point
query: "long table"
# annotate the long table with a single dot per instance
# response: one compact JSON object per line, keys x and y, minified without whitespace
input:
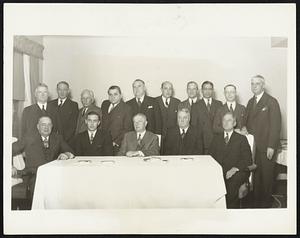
{"x":133,"y":183}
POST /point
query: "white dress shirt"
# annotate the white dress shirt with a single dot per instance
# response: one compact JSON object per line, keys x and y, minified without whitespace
{"x":92,"y":132}
{"x":111,"y":106}
{"x":165,"y":100}
{"x":231,"y":103}
{"x":206,"y":100}
{"x":140,"y":133}
{"x":185,"y":130}
{"x":45,"y":138}
{"x":141,"y":99}
{"x":61,"y":101}
{"x":41,"y":105}
{"x":229,"y":134}
{"x":258,"y":97}
{"x":194,"y":100}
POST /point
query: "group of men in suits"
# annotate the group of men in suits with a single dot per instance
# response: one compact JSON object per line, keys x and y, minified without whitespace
{"x":146,"y":126}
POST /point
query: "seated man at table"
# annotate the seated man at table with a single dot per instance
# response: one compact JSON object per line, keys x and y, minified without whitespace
{"x":95,"y":141}
{"x":183,"y":139}
{"x":232,"y":151}
{"x":139,"y":142}
{"x":41,"y":148}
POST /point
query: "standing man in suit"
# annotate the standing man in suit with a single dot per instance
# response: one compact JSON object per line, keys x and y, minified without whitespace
{"x":31,"y":114}
{"x":141,"y":103}
{"x":193,"y":96}
{"x":88,"y":103}
{"x":168,"y":107}
{"x":140,"y":142}
{"x":230,"y":105}
{"x":67,"y":111}
{"x":263,"y":121}
{"x":41,"y":148}
{"x":94,"y":141}
{"x":183,"y":139}
{"x":204,"y":113}
{"x":116,"y":116}
{"x":232,"y":151}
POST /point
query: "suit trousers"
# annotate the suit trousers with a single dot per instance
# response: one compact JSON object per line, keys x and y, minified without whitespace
{"x":263,"y":180}
{"x":232,"y":187}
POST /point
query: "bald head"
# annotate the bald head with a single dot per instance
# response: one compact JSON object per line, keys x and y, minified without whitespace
{"x":167,"y":89}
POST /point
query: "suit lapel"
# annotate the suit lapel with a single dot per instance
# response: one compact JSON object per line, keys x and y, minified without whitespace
{"x":262,"y":102}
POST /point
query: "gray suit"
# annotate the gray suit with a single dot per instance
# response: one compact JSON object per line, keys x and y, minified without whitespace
{"x":149,"y":144}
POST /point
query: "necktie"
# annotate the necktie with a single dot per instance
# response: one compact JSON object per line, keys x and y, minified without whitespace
{"x":226,"y":138}
{"x":111,"y":107}
{"x":254,"y":102}
{"x":43,"y":109}
{"x":231,"y":108}
{"x":192,"y":103}
{"x":60,"y":103}
{"x":46,"y":143}
{"x":92,"y":138}
{"x":83,"y":111}
{"x":183,"y":134}
{"x":167,"y":102}
{"x":139,"y":140}
{"x":139,"y":102}
{"x":208,"y":105}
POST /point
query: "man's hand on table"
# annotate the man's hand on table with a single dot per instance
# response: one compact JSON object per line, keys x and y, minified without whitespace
{"x":14,"y":171}
{"x":270,"y":153}
{"x":134,"y":153}
{"x":65,"y":156}
{"x":231,"y":172}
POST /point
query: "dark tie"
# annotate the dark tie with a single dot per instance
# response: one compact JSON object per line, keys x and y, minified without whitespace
{"x":83,"y":111}
{"x":254,"y":102}
{"x":43,"y":109}
{"x":139,"y":102}
{"x":208,"y":105}
{"x":139,"y":141}
{"x":46,"y":143}
{"x":183,"y":134}
{"x":167,"y":102}
{"x":226,"y":138}
{"x":60,"y":103}
{"x":231,"y":108}
{"x":92,"y":138}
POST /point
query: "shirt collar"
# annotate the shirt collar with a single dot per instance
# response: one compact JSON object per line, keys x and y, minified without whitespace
{"x":165,"y":99}
{"x":90,"y":132}
{"x":206,"y":100}
{"x":233,"y":104}
{"x":192,"y":100}
{"x":141,"y":99}
{"x":41,"y":105}
{"x":63,"y":101}
{"x":185,"y":129}
{"x":229,"y":133}
{"x":258,"y":97}
{"x":45,"y":138}
{"x":142,"y":134}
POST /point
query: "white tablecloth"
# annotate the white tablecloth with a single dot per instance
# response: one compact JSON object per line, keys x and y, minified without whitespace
{"x":130,"y":183}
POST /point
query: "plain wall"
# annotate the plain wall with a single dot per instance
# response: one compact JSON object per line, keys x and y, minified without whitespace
{"x":99,"y":62}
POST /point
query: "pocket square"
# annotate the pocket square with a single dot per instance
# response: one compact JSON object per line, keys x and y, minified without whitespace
{"x":265,"y":108}
{"x":150,"y":106}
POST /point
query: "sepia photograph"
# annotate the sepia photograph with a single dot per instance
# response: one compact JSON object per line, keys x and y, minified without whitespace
{"x":136,"y":124}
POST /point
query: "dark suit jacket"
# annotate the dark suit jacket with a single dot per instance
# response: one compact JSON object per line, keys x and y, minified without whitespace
{"x":236,"y":153}
{"x":204,"y":119}
{"x":186,"y":104}
{"x":31,"y":115}
{"x":151,"y":109}
{"x":81,"y":126}
{"x":101,"y":146}
{"x":67,"y":115}
{"x":118,"y":121}
{"x":149,"y":144}
{"x":239,"y":113}
{"x":191,"y":144}
{"x":168,"y":114}
{"x":35,"y":153}
{"x":264,"y":123}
